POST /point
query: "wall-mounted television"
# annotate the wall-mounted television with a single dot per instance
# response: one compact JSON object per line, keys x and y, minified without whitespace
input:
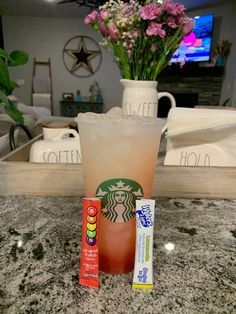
{"x":196,"y":47}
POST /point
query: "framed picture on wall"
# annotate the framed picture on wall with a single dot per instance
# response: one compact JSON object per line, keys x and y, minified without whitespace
{"x":68,"y":96}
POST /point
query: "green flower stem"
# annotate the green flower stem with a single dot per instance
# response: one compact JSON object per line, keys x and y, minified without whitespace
{"x":123,"y":59}
{"x":136,"y":57}
{"x":175,"y":40}
{"x":160,"y":66}
{"x":169,"y":48}
{"x":144,"y":64}
{"x":152,"y":66}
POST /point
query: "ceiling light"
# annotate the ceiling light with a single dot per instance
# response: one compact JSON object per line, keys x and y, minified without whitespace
{"x":84,"y":3}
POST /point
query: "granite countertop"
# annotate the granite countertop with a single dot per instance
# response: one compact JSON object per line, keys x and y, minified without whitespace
{"x":40,"y":249}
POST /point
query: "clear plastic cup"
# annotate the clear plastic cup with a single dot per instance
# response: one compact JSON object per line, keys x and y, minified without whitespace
{"x":119,"y":155}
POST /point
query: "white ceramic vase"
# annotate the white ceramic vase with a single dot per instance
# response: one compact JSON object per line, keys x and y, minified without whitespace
{"x":141,"y":98}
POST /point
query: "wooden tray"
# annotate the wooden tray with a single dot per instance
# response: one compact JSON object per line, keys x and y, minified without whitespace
{"x":19,"y":177}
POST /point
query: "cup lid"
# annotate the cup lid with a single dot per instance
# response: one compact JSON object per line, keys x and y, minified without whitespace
{"x":56,"y":125}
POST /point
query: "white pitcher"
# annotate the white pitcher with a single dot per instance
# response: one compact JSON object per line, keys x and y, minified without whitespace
{"x":141,"y":98}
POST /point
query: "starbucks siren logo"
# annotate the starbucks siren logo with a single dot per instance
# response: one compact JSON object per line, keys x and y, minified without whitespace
{"x":118,"y":198}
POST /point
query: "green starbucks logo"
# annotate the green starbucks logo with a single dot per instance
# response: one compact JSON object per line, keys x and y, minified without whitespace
{"x":118,"y":198}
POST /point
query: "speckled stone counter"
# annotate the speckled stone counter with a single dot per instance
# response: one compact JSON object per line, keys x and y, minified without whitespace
{"x":40,"y":251}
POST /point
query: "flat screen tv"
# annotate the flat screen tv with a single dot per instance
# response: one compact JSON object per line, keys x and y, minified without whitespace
{"x":196,"y":47}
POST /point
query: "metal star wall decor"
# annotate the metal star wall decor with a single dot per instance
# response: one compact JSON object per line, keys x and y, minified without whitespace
{"x":82,"y":56}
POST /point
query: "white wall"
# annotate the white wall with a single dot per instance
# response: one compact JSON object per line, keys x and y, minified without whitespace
{"x":45,"y":38}
{"x":226,"y":13}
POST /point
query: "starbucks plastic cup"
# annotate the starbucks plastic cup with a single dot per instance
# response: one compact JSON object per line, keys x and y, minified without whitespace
{"x":119,"y":155}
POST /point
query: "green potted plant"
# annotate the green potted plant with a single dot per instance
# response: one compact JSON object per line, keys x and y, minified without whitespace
{"x":7,"y":86}
{"x":11,"y":59}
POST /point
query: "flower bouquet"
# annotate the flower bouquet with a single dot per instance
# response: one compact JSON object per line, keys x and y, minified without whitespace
{"x":142,"y":35}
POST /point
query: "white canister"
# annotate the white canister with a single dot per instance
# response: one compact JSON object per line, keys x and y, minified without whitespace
{"x":60,"y":149}
{"x":52,"y":129}
{"x":141,"y":98}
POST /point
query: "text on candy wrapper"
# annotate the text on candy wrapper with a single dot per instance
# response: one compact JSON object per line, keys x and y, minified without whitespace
{"x":145,"y":216}
{"x":142,"y":275}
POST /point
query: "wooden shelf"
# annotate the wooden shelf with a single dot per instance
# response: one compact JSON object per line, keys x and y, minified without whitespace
{"x":72,"y":108}
{"x":19,"y":177}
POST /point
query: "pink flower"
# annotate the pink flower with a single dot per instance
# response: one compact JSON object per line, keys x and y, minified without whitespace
{"x":188,"y":26}
{"x":180,"y":9}
{"x":155,"y":29}
{"x":104,"y":31}
{"x":136,"y":33}
{"x":91,"y":17}
{"x":128,"y":9}
{"x":113,"y":32}
{"x":171,"y":21}
{"x":173,"y":8}
{"x":150,"y":12}
{"x":169,"y":7}
{"x":104,"y":15}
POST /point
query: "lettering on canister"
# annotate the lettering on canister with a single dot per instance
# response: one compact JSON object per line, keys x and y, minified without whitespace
{"x":142,"y":109}
{"x":194,"y":159}
{"x":62,"y":156}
